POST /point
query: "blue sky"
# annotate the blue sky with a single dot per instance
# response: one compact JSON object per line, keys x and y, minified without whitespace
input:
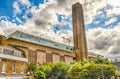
{"x":52,"y":20}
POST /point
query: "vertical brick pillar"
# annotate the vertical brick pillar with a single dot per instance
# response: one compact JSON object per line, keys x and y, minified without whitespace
{"x":80,"y":46}
{"x":18,"y":67}
{"x":8,"y":67}
{"x":25,"y":68}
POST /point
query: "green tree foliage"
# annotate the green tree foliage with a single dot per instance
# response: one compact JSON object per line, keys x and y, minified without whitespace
{"x":108,"y":71}
{"x":46,"y":68}
{"x":39,"y":74}
{"x":117,"y":73}
{"x":31,"y":68}
{"x":59,"y":70}
{"x":90,"y":70}
{"x":117,"y":65}
{"x":75,"y":70}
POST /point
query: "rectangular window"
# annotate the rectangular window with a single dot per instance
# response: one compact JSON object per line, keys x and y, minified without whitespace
{"x":1,"y":50}
{"x":22,"y":69}
{"x":14,"y":67}
{"x":3,"y":67}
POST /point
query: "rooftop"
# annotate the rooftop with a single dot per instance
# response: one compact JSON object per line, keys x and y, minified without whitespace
{"x":39,"y":40}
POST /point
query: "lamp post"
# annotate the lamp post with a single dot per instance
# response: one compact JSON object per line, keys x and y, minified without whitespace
{"x":100,"y":58}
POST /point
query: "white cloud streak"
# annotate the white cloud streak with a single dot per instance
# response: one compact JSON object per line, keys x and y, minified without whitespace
{"x":112,"y":20}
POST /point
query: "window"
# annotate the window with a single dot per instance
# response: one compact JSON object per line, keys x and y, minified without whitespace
{"x":14,"y":67}
{"x":1,"y":50}
{"x":67,"y":47}
{"x":71,"y":49}
{"x":22,"y":69}
{"x":3,"y":67}
{"x":56,"y":44}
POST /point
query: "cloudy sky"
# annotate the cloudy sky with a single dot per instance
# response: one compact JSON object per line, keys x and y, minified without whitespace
{"x":52,"y":20}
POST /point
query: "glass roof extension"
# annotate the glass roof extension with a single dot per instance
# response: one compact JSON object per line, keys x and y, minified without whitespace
{"x":38,"y":40}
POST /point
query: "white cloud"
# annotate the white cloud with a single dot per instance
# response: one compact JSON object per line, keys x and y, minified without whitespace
{"x":113,"y":11}
{"x":25,"y":2}
{"x":16,"y":8}
{"x":104,"y":41}
{"x":17,"y":19}
{"x":4,"y":17}
{"x":114,"y":3}
{"x":115,"y":7}
{"x":2,"y":32}
{"x":112,"y":20}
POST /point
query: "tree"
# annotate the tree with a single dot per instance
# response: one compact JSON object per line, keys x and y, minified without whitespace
{"x":39,"y":75}
{"x":90,"y":70}
{"x":31,"y":68}
{"x":46,"y":68}
{"x":59,"y":71}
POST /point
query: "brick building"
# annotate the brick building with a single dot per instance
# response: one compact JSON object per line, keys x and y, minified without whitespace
{"x":19,"y":48}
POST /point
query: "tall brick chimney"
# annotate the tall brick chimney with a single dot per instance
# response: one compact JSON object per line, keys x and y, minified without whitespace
{"x":80,"y":46}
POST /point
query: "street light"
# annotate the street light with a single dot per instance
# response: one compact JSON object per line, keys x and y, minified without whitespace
{"x":100,"y":57}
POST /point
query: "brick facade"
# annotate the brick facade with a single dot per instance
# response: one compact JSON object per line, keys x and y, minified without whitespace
{"x":37,"y":53}
{"x":20,"y":67}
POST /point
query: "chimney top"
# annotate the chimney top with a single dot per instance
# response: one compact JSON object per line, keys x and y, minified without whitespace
{"x":77,"y":4}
